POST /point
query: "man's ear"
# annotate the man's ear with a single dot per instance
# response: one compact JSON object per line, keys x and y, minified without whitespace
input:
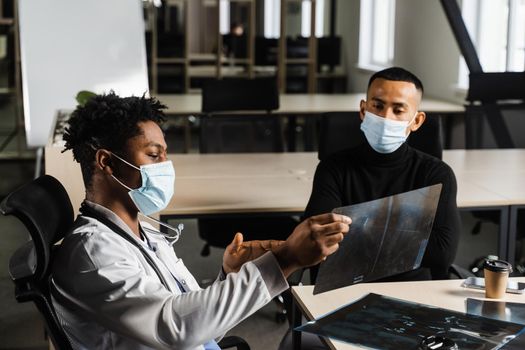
{"x":103,"y":161}
{"x":362,"y":109}
{"x":418,"y":121}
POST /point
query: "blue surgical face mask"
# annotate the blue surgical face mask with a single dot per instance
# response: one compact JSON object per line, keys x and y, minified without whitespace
{"x":384,"y":135}
{"x":158,"y":183}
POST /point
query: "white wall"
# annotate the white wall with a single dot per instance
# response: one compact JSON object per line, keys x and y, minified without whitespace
{"x":424,"y":44}
{"x":348,"y":28}
{"x":63,"y":52}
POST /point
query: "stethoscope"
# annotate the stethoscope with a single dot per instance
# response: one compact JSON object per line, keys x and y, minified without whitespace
{"x":171,"y":238}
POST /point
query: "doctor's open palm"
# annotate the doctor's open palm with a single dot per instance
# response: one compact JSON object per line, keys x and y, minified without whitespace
{"x":311,"y":242}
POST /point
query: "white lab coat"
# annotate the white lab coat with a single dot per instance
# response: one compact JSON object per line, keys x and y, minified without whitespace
{"x":121,"y":303}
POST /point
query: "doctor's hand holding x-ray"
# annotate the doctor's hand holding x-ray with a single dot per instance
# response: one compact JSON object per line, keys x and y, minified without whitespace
{"x":311,"y":242}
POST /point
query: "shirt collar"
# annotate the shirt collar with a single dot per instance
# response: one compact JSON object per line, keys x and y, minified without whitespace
{"x":371,"y":156}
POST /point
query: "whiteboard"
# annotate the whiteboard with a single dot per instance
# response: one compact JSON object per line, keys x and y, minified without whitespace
{"x":72,"y":45}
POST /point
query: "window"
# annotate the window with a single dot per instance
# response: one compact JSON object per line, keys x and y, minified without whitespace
{"x":306,"y":16}
{"x":497,"y":29}
{"x":272,"y":15}
{"x":224,"y":17}
{"x":376,"y":33}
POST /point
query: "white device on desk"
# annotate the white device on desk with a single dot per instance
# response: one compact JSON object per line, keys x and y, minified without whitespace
{"x":479,"y":283}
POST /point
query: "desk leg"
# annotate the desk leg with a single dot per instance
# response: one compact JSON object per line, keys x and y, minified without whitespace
{"x":187,"y":134}
{"x":310,"y":133}
{"x":513,"y":230}
{"x":503,"y":241}
{"x":449,"y":121}
{"x":292,"y":125}
{"x":473,"y":127}
{"x":296,"y":322}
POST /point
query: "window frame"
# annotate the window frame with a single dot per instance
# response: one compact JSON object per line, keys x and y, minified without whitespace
{"x":472,"y":11}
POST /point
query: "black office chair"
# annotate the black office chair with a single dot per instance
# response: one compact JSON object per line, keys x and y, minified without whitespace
{"x":341,"y":130}
{"x":44,"y":208}
{"x":240,"y":94}
{"x":429,"y":137}
{"x":252,"y":127}
{"x":257,"y":131}
{"x":241,"y":134}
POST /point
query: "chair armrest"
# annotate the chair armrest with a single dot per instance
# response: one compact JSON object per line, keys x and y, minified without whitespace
{"x":234,"y":342}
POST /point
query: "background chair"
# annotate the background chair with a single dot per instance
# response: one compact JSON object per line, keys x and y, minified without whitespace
{"x":43,"y":206}
{"x":251,"y":128}
{"x":236,"y":134}
{"x":340,"y":130}
{"x":240,"y":94}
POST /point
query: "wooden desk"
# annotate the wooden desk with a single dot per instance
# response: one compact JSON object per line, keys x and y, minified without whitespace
{"x":234,"y":183}
{"x":498,"y":171}
{"x":280,"y":183}
{"x":445,"y":294}
{"x":293,"y":105}
{"x":301,"y":104}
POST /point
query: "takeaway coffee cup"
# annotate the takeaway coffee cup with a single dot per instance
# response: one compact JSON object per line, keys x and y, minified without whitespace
{"x":496,"y":276}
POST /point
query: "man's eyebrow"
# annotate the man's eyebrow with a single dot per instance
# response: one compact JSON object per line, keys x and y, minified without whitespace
{"x":397,"y":104}
{"x":154,"y":144}
{"x":400,"y":104}
{"x":377,"y":99}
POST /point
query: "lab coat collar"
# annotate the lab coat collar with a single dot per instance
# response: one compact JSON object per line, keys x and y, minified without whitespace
{"x":111,"y":216}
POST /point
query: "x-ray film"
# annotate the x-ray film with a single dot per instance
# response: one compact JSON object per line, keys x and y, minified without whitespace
{"x":387,"y":236}
{"x":381,"y":322}
{"x":498,"y":310}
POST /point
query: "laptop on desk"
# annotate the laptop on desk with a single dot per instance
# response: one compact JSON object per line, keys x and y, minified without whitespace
{"x":387,"y":236}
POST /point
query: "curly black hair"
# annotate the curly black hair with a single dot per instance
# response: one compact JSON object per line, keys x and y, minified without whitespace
{"x":107,"y":121}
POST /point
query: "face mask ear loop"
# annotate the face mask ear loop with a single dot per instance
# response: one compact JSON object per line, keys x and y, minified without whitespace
{"x":121,"y":183}
{"x":125,"y":161}
{"x":128,"y":163}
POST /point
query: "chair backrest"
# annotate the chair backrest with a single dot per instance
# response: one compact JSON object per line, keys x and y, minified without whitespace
{"x":255,"y":131}
{"x":43,"y":206}
{"x":240,"y":94}
{"x":240,"y":134}
{"x":428,"y":138}
{"x":340,"y":130}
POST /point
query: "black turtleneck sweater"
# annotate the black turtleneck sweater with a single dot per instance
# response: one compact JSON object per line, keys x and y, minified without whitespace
{"x":361,"y":174}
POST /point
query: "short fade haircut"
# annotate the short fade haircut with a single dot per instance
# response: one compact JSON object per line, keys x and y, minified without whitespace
{"x":107,"y":121}
{"x":397,"y":74}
